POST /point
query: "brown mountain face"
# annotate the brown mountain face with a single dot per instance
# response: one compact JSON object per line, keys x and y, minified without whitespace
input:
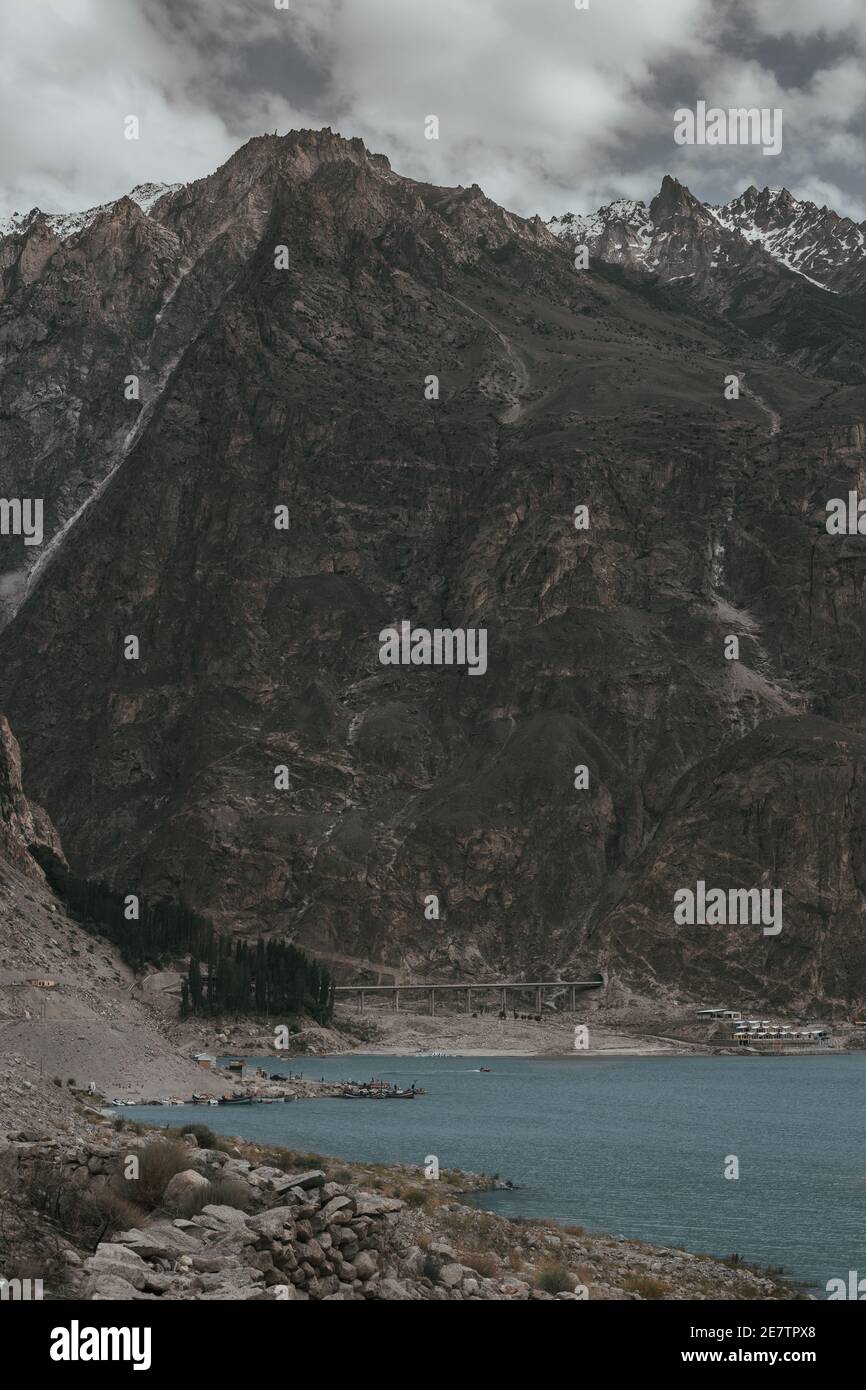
{"x":308,"y":388}
{"x":784,"y":806}
{"x":23,"y":824}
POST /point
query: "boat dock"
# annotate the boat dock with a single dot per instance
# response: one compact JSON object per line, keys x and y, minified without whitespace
{"x":380,"y":1090}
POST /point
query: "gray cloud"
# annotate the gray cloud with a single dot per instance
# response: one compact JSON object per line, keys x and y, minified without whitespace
{"x":547,"y":107}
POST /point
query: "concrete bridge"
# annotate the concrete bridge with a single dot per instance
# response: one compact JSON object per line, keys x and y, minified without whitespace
{"x":502,"y":987}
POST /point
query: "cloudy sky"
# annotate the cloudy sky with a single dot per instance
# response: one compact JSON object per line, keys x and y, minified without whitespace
{"x":547,"y":107}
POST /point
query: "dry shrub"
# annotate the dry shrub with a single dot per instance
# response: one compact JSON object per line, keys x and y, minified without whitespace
{"x":416,"y":1197}
{"x":291,"y":1162}
{"x":73,"y":1206}
{"x":41,"y":1260}
{"x":229,"y":1192}
{"x":203,"y":1134}
{"x":646,"y":1286}
{"x":158,"y":1163}
{"x":122,"y":1214}
{"x":555,"y":1278}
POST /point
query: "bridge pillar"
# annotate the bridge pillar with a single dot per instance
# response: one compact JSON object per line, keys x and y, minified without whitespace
{"x":504,"y":998}
{"x":361,"y":1001}
{"x":468,"y":999}
{"x":432,"y":1002}
{"x":396,"y":1000}
{"x":538,"y":1000}
{"x":573,"y":1004}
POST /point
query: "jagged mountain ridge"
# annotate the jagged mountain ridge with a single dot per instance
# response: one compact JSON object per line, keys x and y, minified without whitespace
{"x":306,"y":387}
{"x":784,"y":271}
{"x":67,"y":224}
{"x":814,"y":242}
{"x":69,"y":1006}
{"x":132,"y":283}
{"x":183,"y":264}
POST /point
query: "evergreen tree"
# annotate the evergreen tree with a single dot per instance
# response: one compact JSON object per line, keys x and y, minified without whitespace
{"x":275,"y":979}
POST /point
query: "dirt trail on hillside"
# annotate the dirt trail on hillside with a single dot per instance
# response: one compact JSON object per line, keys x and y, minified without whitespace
{"x":520,"y":371}
{"x":772,"y":415}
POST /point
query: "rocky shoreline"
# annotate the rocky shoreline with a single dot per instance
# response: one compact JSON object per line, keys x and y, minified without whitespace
{"x":219,"y":1219}
{"x":383,"y":1033}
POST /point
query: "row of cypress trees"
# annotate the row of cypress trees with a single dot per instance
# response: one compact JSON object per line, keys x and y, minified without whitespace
{"x":224,"y":976}
{"x":272,"y":978}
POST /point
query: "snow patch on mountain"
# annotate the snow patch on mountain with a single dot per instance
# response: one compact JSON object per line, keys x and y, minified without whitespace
{"x":67,"y":224}
{"x":621,"y":231}
{"x":816,"y":243}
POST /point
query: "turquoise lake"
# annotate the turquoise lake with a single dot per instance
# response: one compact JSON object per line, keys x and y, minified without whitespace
{"x":630,"y":1146}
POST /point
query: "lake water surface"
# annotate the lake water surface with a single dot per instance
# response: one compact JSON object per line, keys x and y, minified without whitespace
{"x":630,"y":1146}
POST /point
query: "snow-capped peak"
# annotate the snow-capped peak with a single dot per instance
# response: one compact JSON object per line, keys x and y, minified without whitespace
{"x":816,"y":243}
{"x":67,"y":224}
{"x":147,"y":195}
{"x":627,"y":210}
{"x":620,"y":231}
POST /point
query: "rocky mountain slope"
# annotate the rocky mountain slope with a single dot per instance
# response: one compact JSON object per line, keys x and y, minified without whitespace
{"x":68,"y":1013}
{"x":309,"y":388}
{"x":22,"y":823}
